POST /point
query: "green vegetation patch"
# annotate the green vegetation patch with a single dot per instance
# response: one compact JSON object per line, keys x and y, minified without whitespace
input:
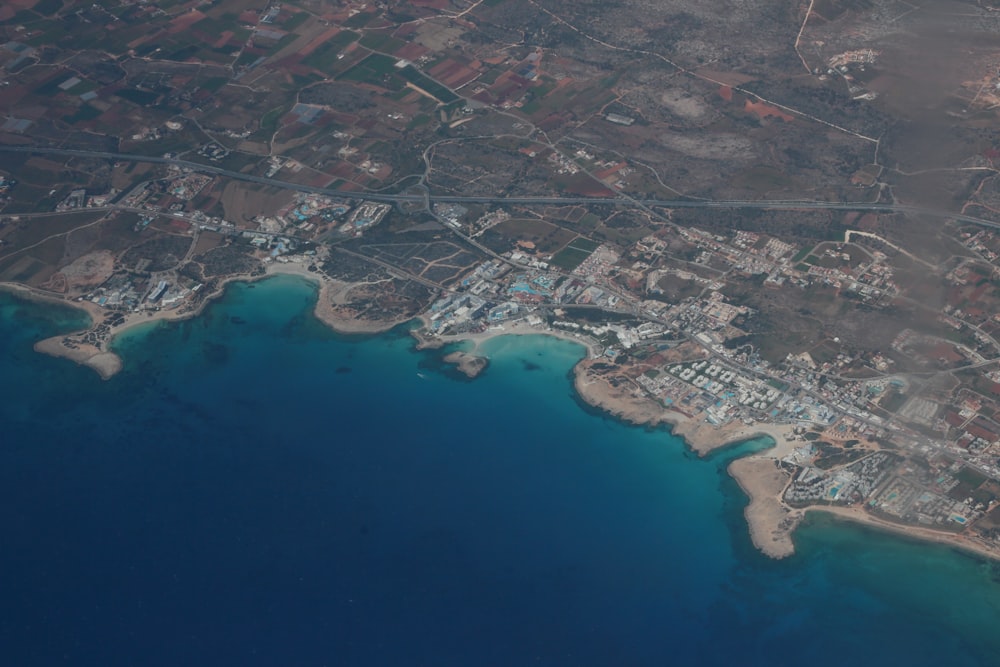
{"x":609,"y":81}
{"x":82,"y":87}
{"x":50,"y":88}
{"x":547,"y":85}
{"x":325,"y":56}
{"x":585,"y":244}
{"x":893,"y":401}
{"x":246,"y":59}
{"x":269,"y":121}
{"x":373,"y":66}
{"x":175,"y":142}
{"x":48,"y":7}
{"x":569,"y":258}
{"x":299,"y":81}
{"x":531,"y":107}
{"x":144,"y":50}
{"x":490,"y":76}
{"x":762,"y":178}
{"x":221,"y":55}
{"x":22,"y":17}
{"x":85,"y":112}
{"x":52,"y":31}
{"x":381,"y":41}
{"x":424,"y":82}
{"x":282,"y":43}
{"x":802,"y":254}
{"x":214,"y":83}
{"x":44,"y":227}
{"x":183,"y":53}
{"x":418,"y":121}
{"x":295,"y":21}
{"x":359,"y":20}
{"x":23,"y":270}
{"x":970,"y":477}
{"x":574,"y":254}
{"x":376,"y":69}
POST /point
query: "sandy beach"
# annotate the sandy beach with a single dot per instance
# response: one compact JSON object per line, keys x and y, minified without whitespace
{"x":27,"y":293}
{"x":330,"y":293}
{"x":101,"y":359}
{"x":472,"y":361}
{"x":331,"y":309}
{"x":106,"y":363}
{"x":771,"y":522}
{"x":954,"y":540}
{"x":517,"y":329}
{"x":705,"y":438}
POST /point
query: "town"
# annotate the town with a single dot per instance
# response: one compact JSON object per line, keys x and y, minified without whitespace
{"x":419,"y":170}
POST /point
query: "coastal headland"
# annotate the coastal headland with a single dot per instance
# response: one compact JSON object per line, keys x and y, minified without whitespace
{"x":93,"y":347}
{"x":762,"y":476}
{"x":750,"y":237}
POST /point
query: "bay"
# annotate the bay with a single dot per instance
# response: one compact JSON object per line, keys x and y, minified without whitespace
{"x":253,"y":489}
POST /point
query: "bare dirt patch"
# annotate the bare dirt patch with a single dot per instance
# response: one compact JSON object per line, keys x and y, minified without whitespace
{"x":242,"y":202}
{"x":684,"y":105}
{"x":765,"y":110}
{"x":89,"y":271}
{"x":717,"y":146}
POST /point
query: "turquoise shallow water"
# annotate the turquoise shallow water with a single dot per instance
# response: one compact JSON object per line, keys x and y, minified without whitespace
{"x":253,"y":489}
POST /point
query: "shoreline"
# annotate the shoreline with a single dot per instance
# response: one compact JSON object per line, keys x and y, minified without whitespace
{"x":469,"y":365}
{"x":471,"y":362}
{"x":771,"y":522}
{"x":631,"y":405}
{"x":324,"y":309}
{"x":857,"y":515}
{"x":513,"y":329}
{"x":107,"y":363}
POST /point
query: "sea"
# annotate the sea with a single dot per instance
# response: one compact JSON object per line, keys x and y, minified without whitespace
{"x":254,"y":489}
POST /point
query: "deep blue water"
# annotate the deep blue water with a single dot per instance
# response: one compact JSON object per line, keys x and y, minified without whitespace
{"x":254,"y":490}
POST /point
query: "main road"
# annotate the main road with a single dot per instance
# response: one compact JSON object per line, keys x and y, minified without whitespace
{"x":731,"y":204}
{"x":426,"y":199}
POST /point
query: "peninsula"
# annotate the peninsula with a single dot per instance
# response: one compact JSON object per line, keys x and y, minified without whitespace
{"x":754,"y":233}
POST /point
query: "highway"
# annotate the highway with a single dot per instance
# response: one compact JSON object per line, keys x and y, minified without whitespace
{"x":426,"y":198}
{"x":734,"y":204}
